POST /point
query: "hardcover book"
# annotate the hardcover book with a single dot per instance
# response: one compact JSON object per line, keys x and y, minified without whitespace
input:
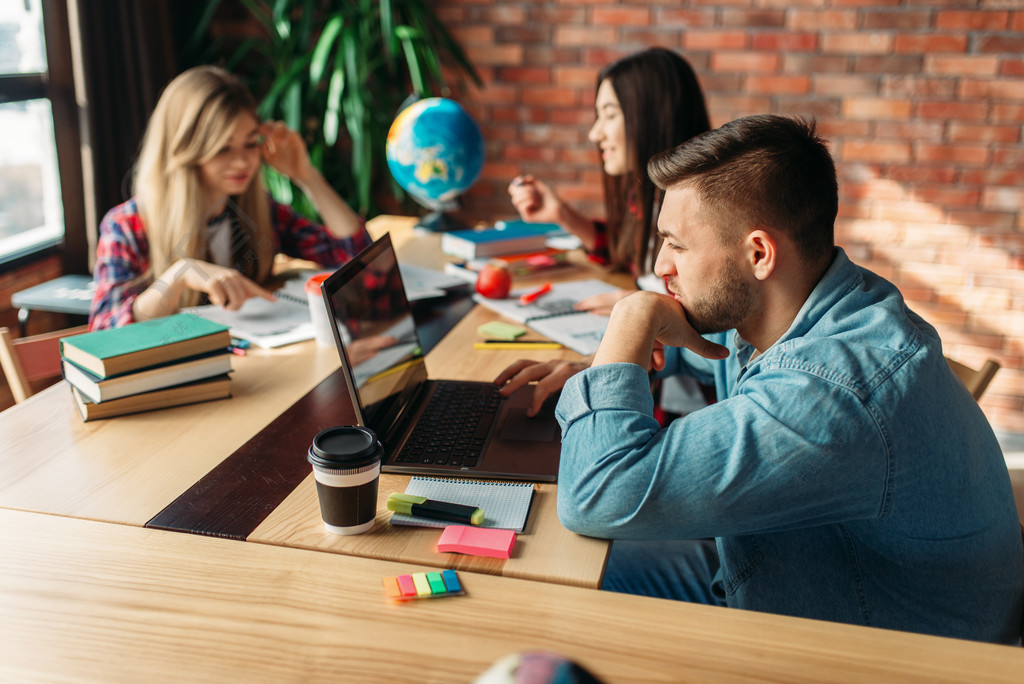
{"x":507,"y":237}
{"x":146,"y":343}
{"x":191,"y":393}
{"x":98,"y":389}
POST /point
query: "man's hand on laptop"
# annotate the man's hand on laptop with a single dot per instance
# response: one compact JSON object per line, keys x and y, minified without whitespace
{"x":550,"y":377}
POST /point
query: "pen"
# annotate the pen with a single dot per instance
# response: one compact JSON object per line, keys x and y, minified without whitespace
{"x":502,"y":344}
{"x":530,"y":297}
{"x":410,"y":504}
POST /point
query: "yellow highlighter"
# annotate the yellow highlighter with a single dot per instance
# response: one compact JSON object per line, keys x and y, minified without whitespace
{"x":520,"y":346}
{"x":410,"y":504}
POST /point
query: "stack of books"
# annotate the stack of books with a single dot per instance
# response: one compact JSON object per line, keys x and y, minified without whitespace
{"x":170,"y":361}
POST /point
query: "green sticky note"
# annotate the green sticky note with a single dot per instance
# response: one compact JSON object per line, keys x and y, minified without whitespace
{"x":436,"y":583}
{"x":497,"y":330}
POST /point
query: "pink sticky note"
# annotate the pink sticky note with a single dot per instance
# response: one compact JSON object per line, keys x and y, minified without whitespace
{"x":477,"y":541}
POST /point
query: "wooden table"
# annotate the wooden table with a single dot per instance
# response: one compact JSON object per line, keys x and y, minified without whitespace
{"x":85,"y":599}
{"x":211,"y":468}
{"x":89,"y":601}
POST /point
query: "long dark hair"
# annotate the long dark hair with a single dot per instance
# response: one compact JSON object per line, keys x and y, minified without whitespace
{"x":663,"y":106}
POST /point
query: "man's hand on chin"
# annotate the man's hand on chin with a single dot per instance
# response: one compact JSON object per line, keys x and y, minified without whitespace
{"x":641,"y":324}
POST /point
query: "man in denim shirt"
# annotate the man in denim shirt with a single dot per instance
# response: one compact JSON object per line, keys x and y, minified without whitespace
{"x":845,"y":473}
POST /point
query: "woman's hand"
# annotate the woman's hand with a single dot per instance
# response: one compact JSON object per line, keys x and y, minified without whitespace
{"x":224,"y":287}
{"x":550,"y":377}
{"x":285,"y":151}
{"x":538,"y":203}
{"x":534,"y":200}
{"x":601,"y":304}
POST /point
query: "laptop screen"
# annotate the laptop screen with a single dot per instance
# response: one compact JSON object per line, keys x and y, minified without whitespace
{"x":375,"y":334}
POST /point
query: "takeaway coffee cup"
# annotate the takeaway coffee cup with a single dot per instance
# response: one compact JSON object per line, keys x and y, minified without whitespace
{"x":346,"y":465}
{"x":318,"y":311}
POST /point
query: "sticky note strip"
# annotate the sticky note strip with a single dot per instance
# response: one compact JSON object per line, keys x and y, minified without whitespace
{"x":436,"y":583}
{"x":422,"y":585}
{"x":498,"y":330}
{"x":406,"y":586}
{"x":477,"y":541}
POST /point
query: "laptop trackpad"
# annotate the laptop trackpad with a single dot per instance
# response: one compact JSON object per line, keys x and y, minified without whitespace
{"x":517,"y":425}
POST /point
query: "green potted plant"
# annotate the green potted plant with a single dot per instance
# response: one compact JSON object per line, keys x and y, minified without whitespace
{"x":338,"y":71}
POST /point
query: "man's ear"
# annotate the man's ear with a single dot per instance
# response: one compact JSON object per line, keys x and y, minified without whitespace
{"x":762,"y":253}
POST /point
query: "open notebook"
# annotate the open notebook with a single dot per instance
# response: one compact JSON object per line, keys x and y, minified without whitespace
{"x":286,"y":321}
{"x":553,"y":315}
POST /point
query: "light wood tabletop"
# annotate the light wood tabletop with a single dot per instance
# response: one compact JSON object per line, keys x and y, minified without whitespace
{"x":134,"y":469}
{"x":87,"y":601}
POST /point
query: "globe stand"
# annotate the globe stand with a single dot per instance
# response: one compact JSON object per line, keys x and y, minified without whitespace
{"x":441,"y":222}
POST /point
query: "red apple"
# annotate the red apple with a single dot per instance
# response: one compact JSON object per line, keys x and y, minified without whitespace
{"x":494,"y":280}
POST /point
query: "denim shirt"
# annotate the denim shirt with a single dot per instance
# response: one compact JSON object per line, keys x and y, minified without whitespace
{"x":846,"y":474}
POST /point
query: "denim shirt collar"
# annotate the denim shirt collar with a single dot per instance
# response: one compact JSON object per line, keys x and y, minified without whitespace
{"x":841,"y":277}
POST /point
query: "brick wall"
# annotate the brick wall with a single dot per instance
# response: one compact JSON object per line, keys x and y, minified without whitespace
{"x":923,"y":103}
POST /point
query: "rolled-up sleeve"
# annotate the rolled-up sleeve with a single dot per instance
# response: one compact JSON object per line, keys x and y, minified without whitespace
{"x":301,"y":238}
{"x":122,"y":259}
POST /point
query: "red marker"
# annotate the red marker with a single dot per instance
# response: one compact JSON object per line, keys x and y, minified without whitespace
{"x":531,"y":297}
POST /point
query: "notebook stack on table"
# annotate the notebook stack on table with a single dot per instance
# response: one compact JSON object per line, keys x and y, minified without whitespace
{"x":169,"y":361}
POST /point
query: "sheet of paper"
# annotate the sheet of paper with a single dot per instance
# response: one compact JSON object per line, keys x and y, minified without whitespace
{"x":427,"y":283}
{"x":264,"y":323}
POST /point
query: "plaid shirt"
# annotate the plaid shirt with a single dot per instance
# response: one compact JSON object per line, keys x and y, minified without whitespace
{"x":122,"y":256}
{"x":600,"y":253}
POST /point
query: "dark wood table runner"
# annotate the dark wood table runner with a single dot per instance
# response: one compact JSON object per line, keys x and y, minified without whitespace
{"x":235,"y":497}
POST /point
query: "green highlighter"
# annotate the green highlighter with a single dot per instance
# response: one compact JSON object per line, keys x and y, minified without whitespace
{"x":410,"y":504}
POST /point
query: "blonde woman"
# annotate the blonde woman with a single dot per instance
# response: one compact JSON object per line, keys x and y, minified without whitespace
{"x":200,"y":224}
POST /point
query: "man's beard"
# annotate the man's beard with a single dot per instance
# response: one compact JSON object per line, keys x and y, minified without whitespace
{"x":725,"y":306}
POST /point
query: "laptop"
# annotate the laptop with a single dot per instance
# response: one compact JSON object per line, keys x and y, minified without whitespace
{"x":419,"y":419}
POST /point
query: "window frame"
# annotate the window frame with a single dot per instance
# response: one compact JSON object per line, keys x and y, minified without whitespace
{"x":57,"y":85}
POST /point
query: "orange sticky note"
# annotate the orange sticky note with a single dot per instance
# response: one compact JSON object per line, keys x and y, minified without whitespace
{"x":391,"y":589}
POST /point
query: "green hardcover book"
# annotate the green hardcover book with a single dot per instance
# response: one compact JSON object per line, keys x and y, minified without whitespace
{"x":143,"y":344}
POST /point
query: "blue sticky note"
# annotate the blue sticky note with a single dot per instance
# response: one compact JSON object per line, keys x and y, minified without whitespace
{"x":451,"y":580}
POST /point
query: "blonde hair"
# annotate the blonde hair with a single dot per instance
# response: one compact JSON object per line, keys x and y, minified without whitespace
{"x":194,"y":118}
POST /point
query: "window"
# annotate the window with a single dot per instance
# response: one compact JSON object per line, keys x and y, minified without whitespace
{"x":31,"y":211}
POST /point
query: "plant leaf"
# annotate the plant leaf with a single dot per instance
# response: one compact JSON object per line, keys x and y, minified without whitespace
{"x":291,"y":106}
{"x":322,"y":52}
{"x":334,"y":92}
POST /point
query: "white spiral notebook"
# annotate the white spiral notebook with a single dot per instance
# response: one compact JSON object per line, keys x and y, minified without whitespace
{"x":506,"y":504}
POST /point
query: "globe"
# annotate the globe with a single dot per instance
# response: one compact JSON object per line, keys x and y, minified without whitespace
{"x":435,"y":153}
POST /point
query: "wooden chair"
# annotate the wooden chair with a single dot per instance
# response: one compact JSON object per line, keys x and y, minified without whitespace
{"x":1022,"y":615}
{"x":976,"y":380}
{"x":27,"y":361}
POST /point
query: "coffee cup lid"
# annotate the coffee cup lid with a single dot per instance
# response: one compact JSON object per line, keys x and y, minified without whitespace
{"x":345,"y":446}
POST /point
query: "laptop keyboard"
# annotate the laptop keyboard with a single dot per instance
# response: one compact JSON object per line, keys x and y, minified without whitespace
{"x":453,"y":428}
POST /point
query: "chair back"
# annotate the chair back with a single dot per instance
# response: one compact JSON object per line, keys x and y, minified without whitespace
{"x":27,"y":361}
{"x":976,"y":381}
